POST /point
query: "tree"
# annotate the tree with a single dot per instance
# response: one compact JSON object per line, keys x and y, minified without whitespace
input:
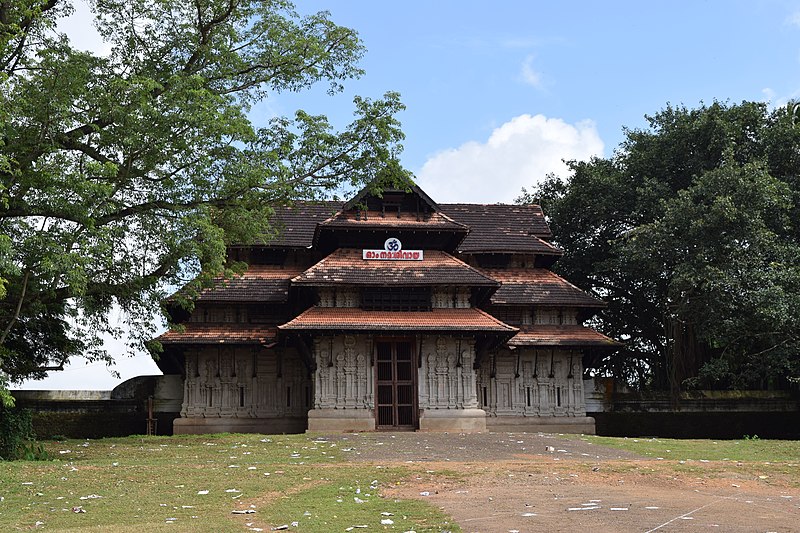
{"x":127,"y":173}
{"x":690,"y":233}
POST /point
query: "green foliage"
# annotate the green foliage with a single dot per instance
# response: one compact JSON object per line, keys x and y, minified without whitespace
{"x":34,"y":451}
{"x":691,"y":233}
{"x":126,"y":173}
{"x":16,"y":433}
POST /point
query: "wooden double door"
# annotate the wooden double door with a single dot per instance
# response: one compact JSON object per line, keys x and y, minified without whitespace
{"x":396,"y":381}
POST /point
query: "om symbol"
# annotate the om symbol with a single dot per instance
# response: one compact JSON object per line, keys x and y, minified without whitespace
{"x":392,"y":244}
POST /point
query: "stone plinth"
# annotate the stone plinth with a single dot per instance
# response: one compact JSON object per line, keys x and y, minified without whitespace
{"x":453,"y":420}
{"x":534,"y":424}
{"x":341,"y":420}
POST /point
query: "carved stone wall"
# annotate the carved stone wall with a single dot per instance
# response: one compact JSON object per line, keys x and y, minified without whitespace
{"x":528,"y":382}
{"x":344,"y":378}
{"x":242,"y":382}
{"x":446,"y":378}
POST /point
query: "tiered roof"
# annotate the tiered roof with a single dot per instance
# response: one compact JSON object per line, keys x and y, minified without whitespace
{"x":471,"y":229}
{"x":220,"y":333}
{"x":502,"y":228}
{"x":564,"y":336}
{"x":494,"y":228}
{"x":356,"y":319}
{"x":259,"y":283}
{"x":347,"y":267}
{"x":297,"y":225}
{"x":537,"y":286}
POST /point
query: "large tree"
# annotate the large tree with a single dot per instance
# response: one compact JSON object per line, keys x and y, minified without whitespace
{"x":128,"y":172}
{"x":691,"y":233}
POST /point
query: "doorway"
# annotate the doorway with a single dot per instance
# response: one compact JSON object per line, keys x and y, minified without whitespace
{"x":396,"y":407}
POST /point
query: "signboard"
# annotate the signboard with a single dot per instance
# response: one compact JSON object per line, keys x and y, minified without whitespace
{"x":393,"y":251}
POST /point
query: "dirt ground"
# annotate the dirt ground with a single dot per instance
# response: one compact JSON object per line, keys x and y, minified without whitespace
{"x":518,"y":482}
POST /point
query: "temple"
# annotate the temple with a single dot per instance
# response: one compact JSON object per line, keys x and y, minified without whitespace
{"x":389,"y":312}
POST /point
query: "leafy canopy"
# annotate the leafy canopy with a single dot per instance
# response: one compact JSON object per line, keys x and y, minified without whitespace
{"x":125,"y":173}
{"x":691,"y":232}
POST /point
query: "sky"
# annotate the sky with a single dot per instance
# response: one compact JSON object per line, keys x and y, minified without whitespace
{"x":499,"y":94}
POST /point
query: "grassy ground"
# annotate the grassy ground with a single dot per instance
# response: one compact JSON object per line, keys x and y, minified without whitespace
{"x":757,"y":458}
{"x":194,"y":483}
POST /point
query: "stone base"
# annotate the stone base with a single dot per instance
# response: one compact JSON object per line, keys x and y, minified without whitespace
{"x":272,"y":426}
{"x":453,"y":420}
{"x":341,"y":420}
{"x":535,"y":424}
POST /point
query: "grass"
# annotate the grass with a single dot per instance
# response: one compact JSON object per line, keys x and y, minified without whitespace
{"x":193,"y":483}
{"x":750,"y":450}
{"x":769,"y":461}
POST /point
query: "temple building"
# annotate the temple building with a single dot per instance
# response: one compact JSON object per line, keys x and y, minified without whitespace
{"x":390,"y":312}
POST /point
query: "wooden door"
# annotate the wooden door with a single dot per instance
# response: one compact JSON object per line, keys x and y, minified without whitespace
{"x":396,"y":370}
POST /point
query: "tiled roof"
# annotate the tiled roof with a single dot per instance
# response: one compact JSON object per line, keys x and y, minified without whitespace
{"x":259,"y":283}
{"x":346,"y":266}
{"x":296,"y":225}
{"x":502,"y":228}
{"x":356,"y":219}
{"x":577,"y":336}
{"x":497,"y":228}
{"x":537,"y":286}
{"x":350,"y":318}
{"x":195,"y":333}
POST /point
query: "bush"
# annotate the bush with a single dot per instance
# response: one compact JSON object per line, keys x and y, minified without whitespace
{"x":16,"y":433}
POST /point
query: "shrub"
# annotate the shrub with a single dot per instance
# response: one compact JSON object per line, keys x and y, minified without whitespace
{"x":16,"y":433}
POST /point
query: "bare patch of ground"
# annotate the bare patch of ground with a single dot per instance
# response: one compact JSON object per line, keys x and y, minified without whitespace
{"x":502,"y":482}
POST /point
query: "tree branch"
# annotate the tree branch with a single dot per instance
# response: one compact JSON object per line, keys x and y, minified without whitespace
{"x":17,"y":310}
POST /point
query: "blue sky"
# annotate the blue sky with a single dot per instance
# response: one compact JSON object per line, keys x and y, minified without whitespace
{"x":499,"y":93}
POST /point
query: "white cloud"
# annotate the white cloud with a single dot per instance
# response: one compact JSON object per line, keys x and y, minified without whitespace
{"x":518,"y":154}
{"x":529,"y":75}
{"x":793,"y":19}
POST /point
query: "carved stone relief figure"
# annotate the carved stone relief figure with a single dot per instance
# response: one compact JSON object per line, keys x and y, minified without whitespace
{"x":227,"y":387}
{"x":349,"y":372}
{"x":341,"y":383}
{"x":468,"y":377}
{"x":190,"y":395}
{"x":442,"y":393}
{"x":323,"y":375}
{"x":361,"y":380}
{"x":430,"y":357}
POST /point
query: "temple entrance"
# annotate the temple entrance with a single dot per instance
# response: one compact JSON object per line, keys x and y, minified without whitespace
{"x":396,"y":406}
